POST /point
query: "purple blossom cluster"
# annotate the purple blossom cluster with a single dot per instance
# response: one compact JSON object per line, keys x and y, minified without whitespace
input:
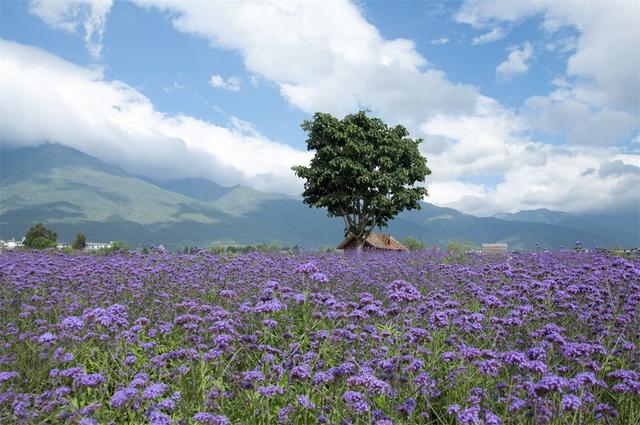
{"x":377,"y":338}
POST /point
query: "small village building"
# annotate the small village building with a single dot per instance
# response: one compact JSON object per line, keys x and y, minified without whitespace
{"x":494,"y":248}
{"x":11,"y":244}
{"x":94,"y":246}
{"x":378,"y":241}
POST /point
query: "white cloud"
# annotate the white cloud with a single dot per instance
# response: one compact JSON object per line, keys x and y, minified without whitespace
{"x":562,"y":113}
{"x":494,"y":140}
{"x":441,"y":40}
{"x":516,"y":63}
{"x":495,"y":34}
{"x":231,"y":83}
{"x":453,"y":192}
{"x":597,"y":101}
{"x":70,"y":15}
{"x":45,"y":98}
{"x":324,"y":56}
{"x":606,"y":59}
{"x":254,"y":80}
{"x":483,"y":143}
{"x":560,"y":184}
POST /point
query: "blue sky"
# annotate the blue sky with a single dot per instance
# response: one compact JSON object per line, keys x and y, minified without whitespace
{"x":504,"y":94}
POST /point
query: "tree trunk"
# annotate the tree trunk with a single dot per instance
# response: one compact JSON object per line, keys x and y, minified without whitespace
{"x":359,"y":243}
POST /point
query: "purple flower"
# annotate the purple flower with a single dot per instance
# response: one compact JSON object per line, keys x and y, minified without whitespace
{"x":47,"y":338}
{"x":439,"y":319}
{"x":400,"y":290}
{"x":270,"y":306}
{"x":284,"y":413}
{"x":427,"y":385}
{"x":139,"y":380}
{"x":223,"y":339}
{"x":604,"y":411}
{"x":91,"y":380}
{"x":408,"y":406}
{"x":271,"y":391}
{"x":305,"y":403}
{"x":570,"y":402}
{"x":517,"y":404}
{"x":551,"y":383}
{"x":210,"y":419}
{"x":469,"y":416}
{"x":453,"y":409}
{"x":585,"y":379}
{"x":74,"y":323}
{"x":491,"y":418}
{"x":154,"y":391}
{"x":307,"y":268}
{"x":373,"y":385}
{"x":319,"y":277}
{"x":322,"y":378}
{"x":62,"y":392}
{"x":121,"y":397}
{"x":156,"y":417}
{"x":253,"y":376}
{"x":167,"y":404}
{"x":5,"y":376}
{"x":489,"y":367}
{"x":356,"y":402}
{"x":300,"y":372}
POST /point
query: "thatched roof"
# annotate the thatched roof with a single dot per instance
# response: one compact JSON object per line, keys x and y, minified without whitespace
{"x":374,"y":240}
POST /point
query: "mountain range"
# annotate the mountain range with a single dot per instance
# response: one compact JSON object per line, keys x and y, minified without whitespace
{"x":70,"y":192}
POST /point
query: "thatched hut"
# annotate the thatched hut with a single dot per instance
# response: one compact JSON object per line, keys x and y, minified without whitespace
{"x":378,"y":241}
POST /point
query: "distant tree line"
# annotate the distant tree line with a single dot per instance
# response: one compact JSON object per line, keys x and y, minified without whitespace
{"x":244,"y":249}
{"x":39,"y":237}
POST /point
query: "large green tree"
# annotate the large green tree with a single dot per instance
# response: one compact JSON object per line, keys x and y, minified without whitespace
{"x":39,"y":237}
{"x":80,"y":243}
{"x":363,"y":171}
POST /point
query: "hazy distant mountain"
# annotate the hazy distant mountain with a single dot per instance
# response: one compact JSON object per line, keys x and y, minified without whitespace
{"x":624,"y":228}
{"x":70,"y":192}
{"x":201,"y":189}
{"x":541,"y":215}
{"x":241,"y":200}
{"x":623,"y":224}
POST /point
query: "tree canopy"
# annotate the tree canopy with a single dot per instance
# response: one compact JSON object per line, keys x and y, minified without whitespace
{"x":39,"y":237}
{"x":80,"y":242}
{"x":363,"y":171}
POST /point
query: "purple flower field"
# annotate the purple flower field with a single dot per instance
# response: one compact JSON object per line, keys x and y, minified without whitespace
{"x":133,"y":338}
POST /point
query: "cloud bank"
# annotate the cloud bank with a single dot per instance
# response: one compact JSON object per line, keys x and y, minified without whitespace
{"x":47,"y":99}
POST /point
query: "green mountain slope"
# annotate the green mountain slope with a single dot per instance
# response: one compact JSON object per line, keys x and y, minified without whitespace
{"x":72,"y":192}
{"x":241,"y":200}
{"x":24,"y":163}
{"x":201,"y":189}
